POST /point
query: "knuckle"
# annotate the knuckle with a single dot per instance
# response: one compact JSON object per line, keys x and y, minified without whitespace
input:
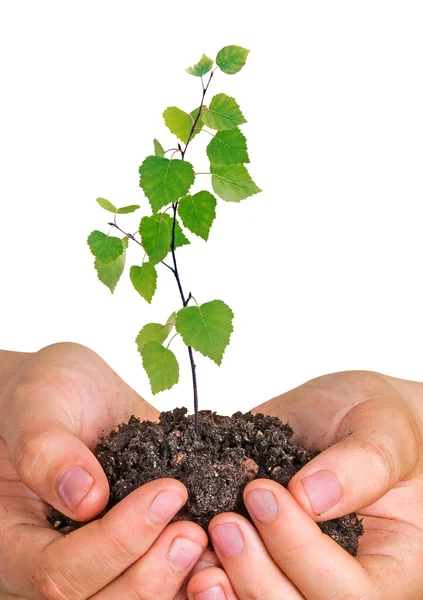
{"x":140,"y":593}
{"x":33,"y":452}
{"x":142,"y":588}
{"x":47,"y":585}
{"x":290,"y":554}
{"x":295,"y":552}
{"x":261,"y":591}
{"x":385,"y":458}
{"x":118,"y":550}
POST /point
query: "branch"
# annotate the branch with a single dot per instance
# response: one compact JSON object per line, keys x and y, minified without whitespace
{"x":198,"y":116}
{"x":129,"y":235}
{"x":134,"y":239}
{"x":168,"y":266}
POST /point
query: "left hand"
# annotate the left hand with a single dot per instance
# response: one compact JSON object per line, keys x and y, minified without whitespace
{"x":370,"y":428}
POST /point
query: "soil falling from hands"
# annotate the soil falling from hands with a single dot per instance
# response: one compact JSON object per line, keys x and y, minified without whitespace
{"x":215,"y":466}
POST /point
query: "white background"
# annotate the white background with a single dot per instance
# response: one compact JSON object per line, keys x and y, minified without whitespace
{"x":323,"y":269}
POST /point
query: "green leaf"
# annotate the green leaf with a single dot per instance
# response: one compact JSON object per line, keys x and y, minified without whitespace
{"x":228,"y":148}
{"x":231,"y":59}
{"x":155,"y":237}
{"x":171,"y":320}
{"x":199,"y":123}
{"x":144,"y":280}
{"x":207,"y":328}
{"x":232,"y":183}
{"x":223,"y":113}
{"x":125,"y":210}
{"x":153,"y":331}
{"x":110,"y":274}
{"x":180,"y":238}
{"x":198,"y":212}
{"x":161,"y":366}
{"x":158,"y":148}
{"x":165,"y":181}
{"x":178,"y":122}
{"x":112,"y":208}
{"x":104,"y":247}
{"x":202,"y":67}
{"x":107,"y":205}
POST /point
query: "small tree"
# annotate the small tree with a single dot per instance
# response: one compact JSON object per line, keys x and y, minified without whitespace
{"x":166,"y":182}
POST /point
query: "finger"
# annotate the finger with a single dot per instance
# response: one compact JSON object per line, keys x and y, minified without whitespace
{"x":58,"y":467}
{"x":250,"y":568}
{"x":315,"y":409}
{"x":63,"y":400}
{"x":161,"y":572}
{"x":82,"y":563}
{"x":366,"y":423}
{"x":313,"y":561}
{"x":378,"y":444}
{"x":207,"y":559}
{"x":211,"y":584}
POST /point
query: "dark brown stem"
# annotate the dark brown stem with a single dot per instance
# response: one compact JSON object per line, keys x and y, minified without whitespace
{"x":133,"y":238}
{"x":166,"y":265}
{"x":129,"y":235}
{"x":194,"y":383}
{"x":175,"y":266}
{"x":172,"y":248}
{"x":198,"y":116}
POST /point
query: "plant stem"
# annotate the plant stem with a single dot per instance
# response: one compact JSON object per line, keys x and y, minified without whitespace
{"x":172,"y":247}
{"x":175,"y":266}
{"x":132,"y":237}
{"x":195,"y":388}
{"x":129,"y":235}
{"x":198,"y":116}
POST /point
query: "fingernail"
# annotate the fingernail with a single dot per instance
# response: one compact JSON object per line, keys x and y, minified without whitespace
{"x":214,"y":593}
{"x":183,"y":553}
{"x":73,"y":486}
{"x":199,"y":566}
{"x":203,"y":564}
{"x":323,"y":490}
{"x":263,"y":505}
{"x":165,"y":506}
{"x":228,"y":539}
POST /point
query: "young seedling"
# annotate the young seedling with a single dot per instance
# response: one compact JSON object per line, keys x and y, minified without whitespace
{"x":166,"y":182}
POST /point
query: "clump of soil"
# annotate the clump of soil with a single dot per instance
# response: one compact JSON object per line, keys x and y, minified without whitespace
{"x":214,"y":465}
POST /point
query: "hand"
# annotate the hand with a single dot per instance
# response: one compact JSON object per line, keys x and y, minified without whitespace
{"x":370,"y":427}
{"x":54,"y":405}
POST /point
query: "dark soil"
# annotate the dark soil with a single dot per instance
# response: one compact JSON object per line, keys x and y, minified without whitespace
{"x":215,"y":466}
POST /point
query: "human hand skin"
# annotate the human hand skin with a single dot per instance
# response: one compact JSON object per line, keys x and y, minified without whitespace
{"x":370,"y":428}
{"x":54,"y":405}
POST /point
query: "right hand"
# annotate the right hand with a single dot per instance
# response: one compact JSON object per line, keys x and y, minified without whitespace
{"x":54,"y":406}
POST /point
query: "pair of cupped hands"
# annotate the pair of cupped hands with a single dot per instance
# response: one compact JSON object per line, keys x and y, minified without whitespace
{"x":56,"y":403}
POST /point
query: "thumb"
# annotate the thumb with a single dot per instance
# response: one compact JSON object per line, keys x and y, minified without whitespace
{"x":377,"y":447}
{"x":53,"y":409}
{"x":60,"y":468}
